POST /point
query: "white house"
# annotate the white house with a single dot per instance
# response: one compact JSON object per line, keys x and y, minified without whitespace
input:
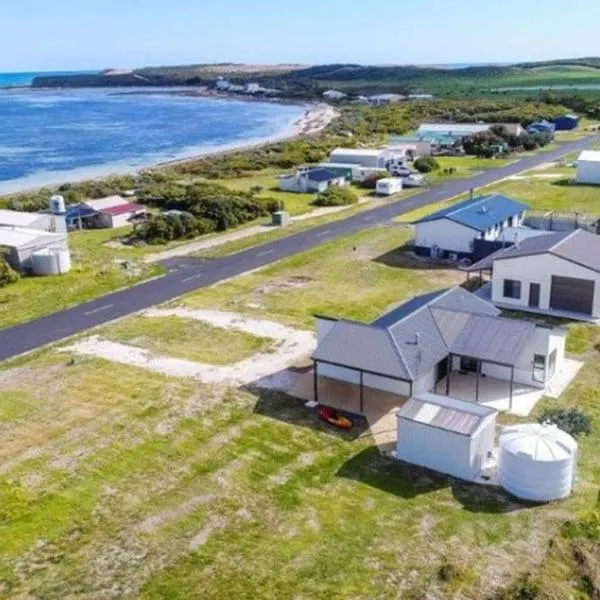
{"x":388,"y":186}
{"x":310,"y":181}
{"x":222,"y":84}
{"x":120,"y":215}
{"x":451,"y":232}
{"x":421,"y":344}
{"x":447,"y":435}
{"x":588,"y":167}
{"x":106,"y":202}
{"x":556,"y":274}
{"x":334,"y":95}
{"x":253,"y":88}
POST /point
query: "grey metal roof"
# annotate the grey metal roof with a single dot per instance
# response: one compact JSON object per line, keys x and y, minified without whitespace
{"x":410,"y":340}
{"x":360,"y":346}
{"x":456,"y":416}
{"x":578,"y":246}
{"x":493,"y":339}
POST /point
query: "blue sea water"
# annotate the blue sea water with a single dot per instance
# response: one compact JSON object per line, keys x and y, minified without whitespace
{"x":25,"y":79}
{"x":53,"y":136}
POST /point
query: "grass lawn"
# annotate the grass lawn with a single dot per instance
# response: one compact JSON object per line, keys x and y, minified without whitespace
{"x":295,"y":204}
{"x":371,"y":263}
{"x":186,"y":338}
{"x":117,"y":482}
{"x":97,"y":269}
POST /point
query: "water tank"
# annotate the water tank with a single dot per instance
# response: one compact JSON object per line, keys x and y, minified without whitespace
{"x":50,"y":261}
{"x":537,"y":462}
{"x":56,"y":204}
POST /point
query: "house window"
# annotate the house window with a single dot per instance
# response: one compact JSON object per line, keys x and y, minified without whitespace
{"x":552,"y":363}
{"x":539,"y":368}
{"x":512,"y":289}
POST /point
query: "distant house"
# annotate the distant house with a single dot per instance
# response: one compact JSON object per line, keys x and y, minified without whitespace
{"x":334,"y":95}
{"x":222,"y":84}
{"x":588,"y":167}
{"x":420,"y":97}
{"x":566,"y":122}
{"x":310,"y":181}
{"x":253,"y":88}
{"x":454,"y":130}
{"x":115,"y":211}
{"x":450,"y":233}
{"x":379,"y":99}
{"x":422,"y":345}
{"x":555,"y":274}
{"x":542,"y":126}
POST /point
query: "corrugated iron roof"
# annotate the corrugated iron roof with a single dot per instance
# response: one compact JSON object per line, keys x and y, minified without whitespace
{"x":479,"y":213}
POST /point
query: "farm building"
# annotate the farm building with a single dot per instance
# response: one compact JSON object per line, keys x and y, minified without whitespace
{"x":588,"y":167}
{"x":452,"y":232}
{"x":366,"y":157}
{"x":566,"y":122}
{"x":445,"y":434}
{"x":556,"y":274}
{"x":450,"y":341}
{"x":310,"y":180}
{"x":388,"y":186}
{"x":21,"y":243}
{"x":32,"y":220}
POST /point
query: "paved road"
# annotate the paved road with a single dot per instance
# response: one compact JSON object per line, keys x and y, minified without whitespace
{"x":57,"y":326}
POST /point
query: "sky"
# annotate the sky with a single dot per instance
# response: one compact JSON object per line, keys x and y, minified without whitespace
{"x":39,"y":35}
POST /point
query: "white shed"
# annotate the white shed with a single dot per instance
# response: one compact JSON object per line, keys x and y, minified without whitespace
{"x":388,"y":186}
{"x":446,"y":435}
{"x":366,"y":157}
{"x":22,"y":243}
{"x":588,"y":167}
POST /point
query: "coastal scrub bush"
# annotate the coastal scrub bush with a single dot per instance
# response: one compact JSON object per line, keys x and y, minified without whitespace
{"x":7,"y":274}
{"x":228,"y":212}
{"x":162,"y":229}
{"x":572,"y":420}
{"x":426,"y":164}
{"x":336,"y":195}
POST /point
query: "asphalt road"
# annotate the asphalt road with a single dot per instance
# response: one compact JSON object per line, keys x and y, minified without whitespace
{"x":57,"y":326}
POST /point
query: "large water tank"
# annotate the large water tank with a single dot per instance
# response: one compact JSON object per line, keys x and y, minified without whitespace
{"x":56,"y":204}
{"x":50,"y":261}
{"x":537,"y":462}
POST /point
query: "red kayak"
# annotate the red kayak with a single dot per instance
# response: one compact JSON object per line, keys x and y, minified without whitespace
{"x":334,"y":418}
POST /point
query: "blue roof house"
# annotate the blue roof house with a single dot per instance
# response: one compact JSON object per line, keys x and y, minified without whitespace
{"x":78,"y":216}
{"x":566,"y":122}
{"x":542,"y":126}
{"x":451,"y":233}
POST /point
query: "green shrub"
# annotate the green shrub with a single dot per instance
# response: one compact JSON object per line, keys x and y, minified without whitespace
{"x":336,"y":195}
{"x":572,"y":420}
{"x":162,"y":229}
{"x":7,"y":275}
{"x":426,"y":164}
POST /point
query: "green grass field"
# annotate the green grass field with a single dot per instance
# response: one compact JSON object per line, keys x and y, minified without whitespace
{"x":117,"y":482}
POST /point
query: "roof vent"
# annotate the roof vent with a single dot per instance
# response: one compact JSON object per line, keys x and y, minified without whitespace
{"x":484,"y":210}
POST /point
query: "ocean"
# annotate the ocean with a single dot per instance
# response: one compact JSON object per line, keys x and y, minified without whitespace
{"x":25,"y":79}
{"x":54,"y":136}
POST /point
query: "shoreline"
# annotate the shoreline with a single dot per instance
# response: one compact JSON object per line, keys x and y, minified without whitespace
{"x":316,"y":117}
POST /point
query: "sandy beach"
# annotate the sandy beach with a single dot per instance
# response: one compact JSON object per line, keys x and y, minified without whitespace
{"x":314,"y":119}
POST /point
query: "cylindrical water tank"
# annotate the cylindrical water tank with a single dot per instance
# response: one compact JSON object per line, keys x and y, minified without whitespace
{"x":56,"y":204}
{"x":537,"y":462}
{"x":50,"y":261}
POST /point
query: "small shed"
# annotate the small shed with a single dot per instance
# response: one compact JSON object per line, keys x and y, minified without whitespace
{"x":446,"y":435}
{"x":388,"y":186}
{"x":566,"y":122}
{"x":588,"y":167}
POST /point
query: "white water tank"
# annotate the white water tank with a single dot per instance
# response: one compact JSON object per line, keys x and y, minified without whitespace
{"x":56,"y":204}
{"x":50,"y":261}
{"x":537,"y":462}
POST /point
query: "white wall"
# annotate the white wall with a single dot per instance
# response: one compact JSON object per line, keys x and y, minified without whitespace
{"x":588,"y":172}
{"x":386,"y":384}
{"x":444,"y":451}
{"x":366,"y":160}
{"x":538,"y":269}
{"x":445,"y":234}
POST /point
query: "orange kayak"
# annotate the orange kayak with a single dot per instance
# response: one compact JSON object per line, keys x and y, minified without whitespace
{"x":334,"y":418}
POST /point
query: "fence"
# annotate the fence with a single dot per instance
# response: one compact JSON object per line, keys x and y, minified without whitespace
{"x":553,"y":221}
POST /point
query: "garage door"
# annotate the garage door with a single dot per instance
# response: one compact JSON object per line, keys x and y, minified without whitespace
{"x":575,"y":295}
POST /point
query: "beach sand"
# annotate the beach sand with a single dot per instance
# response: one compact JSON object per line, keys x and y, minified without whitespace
{"x":315,"y":118}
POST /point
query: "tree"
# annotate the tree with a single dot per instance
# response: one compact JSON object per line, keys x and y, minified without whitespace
{"x":426,"y":164}
{"x":336,"y":195}
{"x":572,"y":420}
